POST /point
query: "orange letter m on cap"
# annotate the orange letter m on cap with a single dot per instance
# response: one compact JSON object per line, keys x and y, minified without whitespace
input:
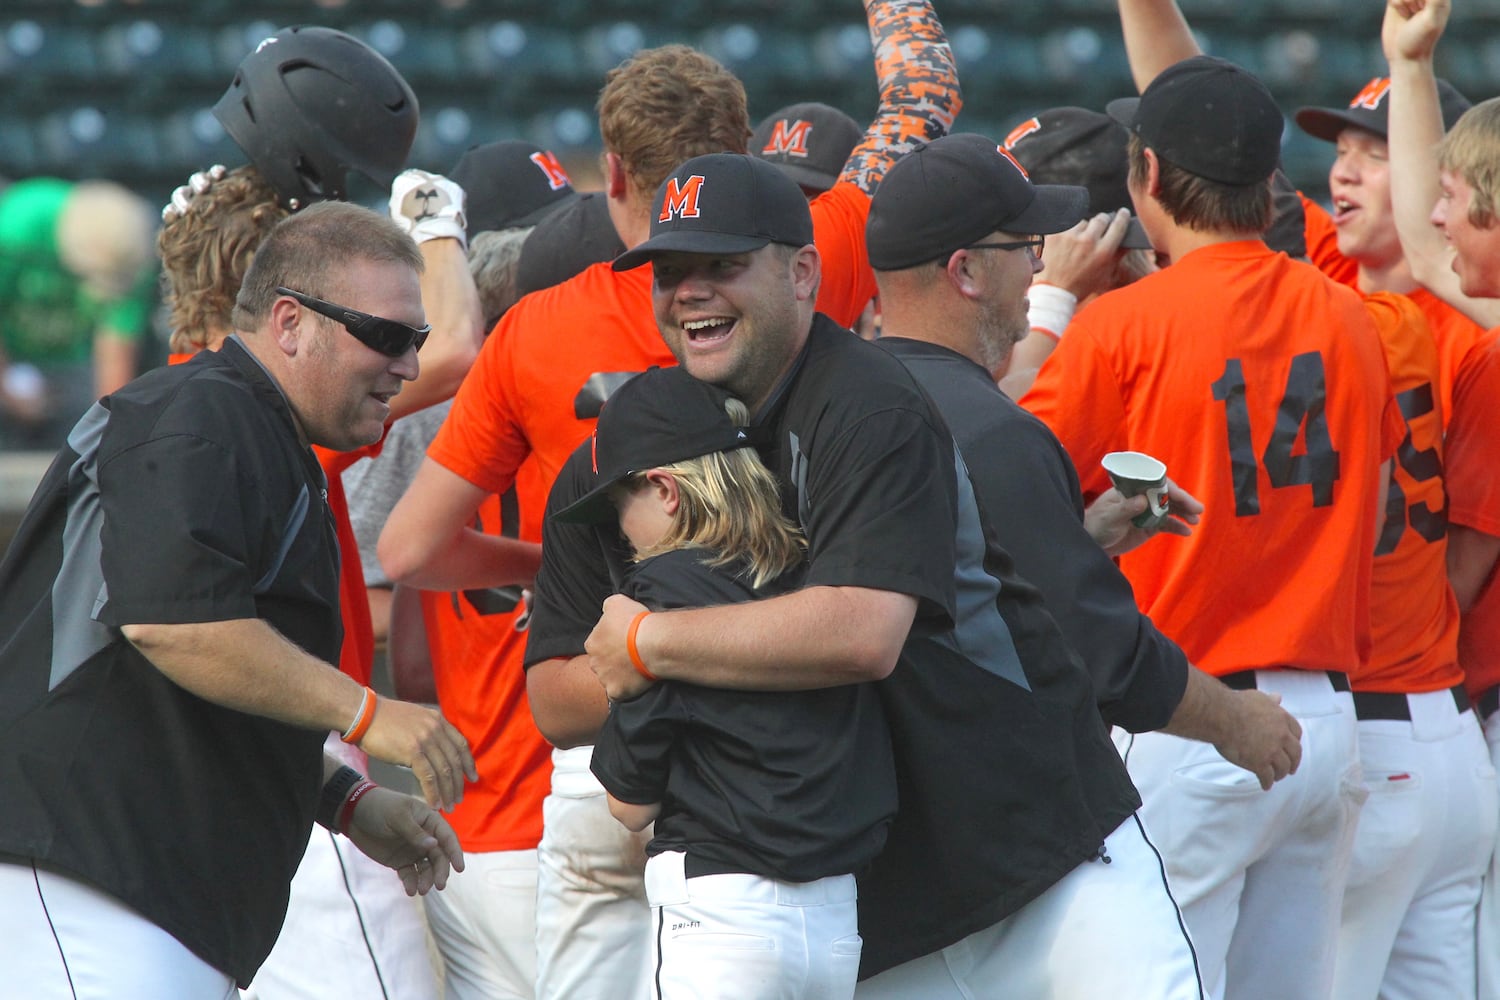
{"x":681,"y":200}
{"x":552,"y":169}
{"x":1373,"y":93}
{"x":789,"y":138}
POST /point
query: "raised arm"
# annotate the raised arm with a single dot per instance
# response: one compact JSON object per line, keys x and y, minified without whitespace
{"x":1416,"y":127}
{"x":1156,"y":36}
{"x":919,"y":92}
{"x":452,"y":305}
{"x":448,"y":293}
{"x":1410,"y":35}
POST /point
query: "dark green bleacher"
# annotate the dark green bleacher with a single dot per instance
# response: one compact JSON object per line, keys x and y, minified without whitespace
{"x":118,"y":89}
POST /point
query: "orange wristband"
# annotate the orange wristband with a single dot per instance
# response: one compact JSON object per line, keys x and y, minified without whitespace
{"x":635,"y":654}
{"x":362,"y":718}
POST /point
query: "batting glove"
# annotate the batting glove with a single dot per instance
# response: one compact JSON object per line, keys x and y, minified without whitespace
{"x":198,"y":183}
{"x":428,"y":206}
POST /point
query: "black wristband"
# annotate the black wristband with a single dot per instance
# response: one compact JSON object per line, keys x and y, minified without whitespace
{"x":334,"y":794}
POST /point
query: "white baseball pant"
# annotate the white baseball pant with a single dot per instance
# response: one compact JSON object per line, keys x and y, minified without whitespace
{"x":745,"y":937}
{"x":593,"y":927}
{"x":350,"y":927}
{"x":484,"y":926}
{"x":350,"y":930}
{"x":1488,"y":944}
{"x":1425,"y":838}
{"x":1103,"y":930}
{"x":1259,"y":874}
{"x":61,"y":939}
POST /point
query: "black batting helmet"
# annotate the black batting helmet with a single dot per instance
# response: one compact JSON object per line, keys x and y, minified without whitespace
{"x":310,"y":104}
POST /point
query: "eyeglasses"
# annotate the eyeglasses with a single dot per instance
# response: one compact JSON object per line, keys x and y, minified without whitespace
{"x":1035,"y":245}
{"x":387,"y":336}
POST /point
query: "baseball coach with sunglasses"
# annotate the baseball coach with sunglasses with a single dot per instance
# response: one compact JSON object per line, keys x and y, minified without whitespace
{"x":169,"y":620}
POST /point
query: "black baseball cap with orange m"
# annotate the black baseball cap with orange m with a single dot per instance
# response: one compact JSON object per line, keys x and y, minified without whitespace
{"x":723,"y":203}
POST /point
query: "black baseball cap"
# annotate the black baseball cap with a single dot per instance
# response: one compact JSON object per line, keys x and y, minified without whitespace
{"x":566,"y":241}
{"x":809,"y":141}
{"x":1369,"y":111}
{"x":661,"y":416}
{"x":1208,"y":117}
{"x":723,"y":203}
{"x":954,"y":191}
{"x":509,"y":184}
{"x":1070,"y":145}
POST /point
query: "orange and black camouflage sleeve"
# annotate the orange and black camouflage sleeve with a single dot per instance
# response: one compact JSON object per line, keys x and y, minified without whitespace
{"x":919,"y":93}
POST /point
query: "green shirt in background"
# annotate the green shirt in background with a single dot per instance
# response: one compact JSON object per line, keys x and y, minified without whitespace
{"x":46,"y":317}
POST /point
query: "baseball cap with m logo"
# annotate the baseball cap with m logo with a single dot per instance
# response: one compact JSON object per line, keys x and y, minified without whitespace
{"x":723,"y":203}
{"x":680,"y":199}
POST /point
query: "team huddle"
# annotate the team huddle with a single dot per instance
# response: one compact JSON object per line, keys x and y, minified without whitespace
{"x":758,"y":527}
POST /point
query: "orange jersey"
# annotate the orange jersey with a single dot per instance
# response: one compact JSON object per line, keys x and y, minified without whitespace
{"x":1474,"y":500}
{"x":1413,"y":613}
{"x":541,"y":377}
{"x":1323,"y":243}
{"x":473,"y":640}
{"x":1454,"y":333}
{"x":848,"y":284}
{"x":531,"y":397}
{"x":357,"y":654}
{"x":1262,"y":386}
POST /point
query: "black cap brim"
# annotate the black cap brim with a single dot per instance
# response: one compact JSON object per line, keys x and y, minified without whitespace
{"x":1135,"y":236}
{"x":1327,"y":123}
{"x":538,"y":214}
{"x":1056,"y":208}
{"x":594,"y":507}
{"x":687,"y":241}
{"x":806,"y":177}
{"x":1122,"y":110}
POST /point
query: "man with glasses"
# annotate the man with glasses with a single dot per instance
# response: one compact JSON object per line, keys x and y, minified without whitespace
{"x":961,"y":208}
{"x":168,"y":628}
{"x":955,"y":334}
{"x":1262,"y":384}
{"x":387,"y":336}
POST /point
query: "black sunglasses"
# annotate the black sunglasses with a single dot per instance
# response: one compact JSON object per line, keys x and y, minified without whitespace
{"x":1035,"y":245}
{"x":387,"y":336}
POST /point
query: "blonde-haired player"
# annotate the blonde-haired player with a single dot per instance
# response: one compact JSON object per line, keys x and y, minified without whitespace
{"x":765,"y":802}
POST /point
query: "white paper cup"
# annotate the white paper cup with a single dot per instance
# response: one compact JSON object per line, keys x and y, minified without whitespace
{"x":1134,"y":473}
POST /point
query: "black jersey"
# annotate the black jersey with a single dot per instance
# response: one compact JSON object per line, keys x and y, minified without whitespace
{"x":791,"y":785}
{"x":1006,"y":778}
{"x":1028,"y":488}
{"x":184,"y":497}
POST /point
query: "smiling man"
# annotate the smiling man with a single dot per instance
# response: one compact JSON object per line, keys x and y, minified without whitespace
{"x":1358,"y":244}
{"x":906,"y":586}
{"x":955,"y":236}
{"x":168,"y":628}
{"x":527,"y":404}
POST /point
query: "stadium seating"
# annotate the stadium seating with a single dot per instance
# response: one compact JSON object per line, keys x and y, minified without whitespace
{"x":122,"y":87}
